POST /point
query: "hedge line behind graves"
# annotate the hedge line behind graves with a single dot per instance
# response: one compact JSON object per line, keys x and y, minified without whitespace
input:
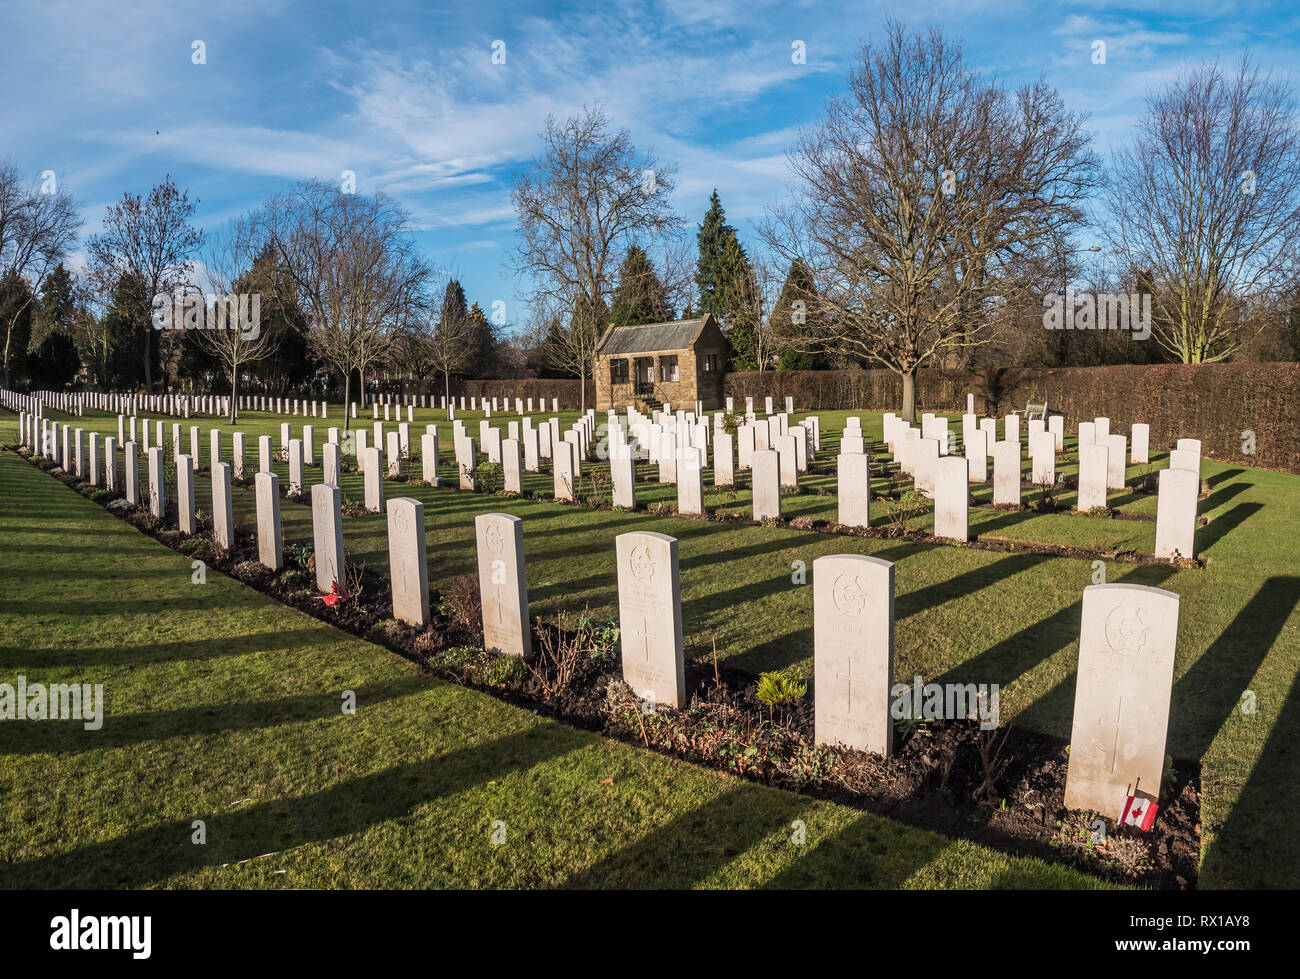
{"x":1216,"y":403}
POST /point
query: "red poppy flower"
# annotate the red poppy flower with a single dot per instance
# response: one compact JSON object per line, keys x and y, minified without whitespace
{"x":335,"y":596}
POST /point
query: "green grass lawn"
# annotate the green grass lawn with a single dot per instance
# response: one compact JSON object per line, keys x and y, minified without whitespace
{"x":963,"y":614}
{"x":225,"y":707}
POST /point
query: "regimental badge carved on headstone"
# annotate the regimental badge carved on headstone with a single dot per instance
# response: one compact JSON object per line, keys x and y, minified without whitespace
{"x":650,"y":617}
{"x":1121,"y":700}
{"x":853,"y":642}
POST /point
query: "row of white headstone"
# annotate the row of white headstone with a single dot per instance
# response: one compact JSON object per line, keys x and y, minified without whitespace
{"x":923,"y":454}
{"x":935,"y":474}
{"x":767,"y":405}
{"x":1122,"y":698}
{"x":75,"y":403}
{"x":1127,"y":641}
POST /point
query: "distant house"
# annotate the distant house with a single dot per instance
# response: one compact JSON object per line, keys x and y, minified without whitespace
{"x":679,"y":362}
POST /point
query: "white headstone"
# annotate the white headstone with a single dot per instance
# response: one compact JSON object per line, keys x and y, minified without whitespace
{"x":185,"y":494}
{"x":374,"y":479}
{"x":1121,"y":700}
{"x":503,"y":585}
{"x":650,"y":618}
{"x":157,"y":487}
{"x":270,"y":549}
{"x":853,"y":658}
{"x":765,"y":478}
{"x":1006,"y":473}
{"x":408,"y":570}
{"x":1094,"y":463}
{"x":223,"y":519}
{"x":1177,"y":490}
{"x":854,"y":489}
{"x":951,"y":498}
{"x":1140,"y":446}
{"x":327,"y":534}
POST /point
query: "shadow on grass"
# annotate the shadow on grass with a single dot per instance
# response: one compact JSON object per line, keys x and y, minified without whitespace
{"x":1014,"y":656}
{"x":1221,"y":526}
{"x":1255,"y":846}
{"x":120,"y":731}
{"x":1209,"y":692}
{"x":55,"y":657}
{"x":1220,"y":497}
{"x":1219,"y":477}
{"x":152,"y":855}
{"x":695,"y":844}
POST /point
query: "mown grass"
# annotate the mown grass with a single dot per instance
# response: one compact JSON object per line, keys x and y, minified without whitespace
{"x":963,"y":614}
{"x":225,"y":707}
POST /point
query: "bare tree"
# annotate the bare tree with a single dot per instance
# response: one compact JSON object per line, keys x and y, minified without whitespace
{"x":36,"y":231}
{"x":233,"y":333}
{"x":353,"y":265}
{"x":152,"y":238}
{"x":1208,"y":200}
{"x":919,"y":191}
{"x":585,"y":199}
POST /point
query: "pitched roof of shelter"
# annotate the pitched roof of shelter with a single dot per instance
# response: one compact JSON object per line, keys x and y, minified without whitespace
{"x":651,"y":337}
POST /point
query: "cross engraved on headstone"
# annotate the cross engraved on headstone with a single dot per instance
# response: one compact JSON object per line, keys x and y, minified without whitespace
{"x":849,"y":677}
{"x":1118,"y":727}
{"x":644,"y":635}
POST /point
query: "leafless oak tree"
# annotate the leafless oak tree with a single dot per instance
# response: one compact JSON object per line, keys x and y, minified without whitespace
{"x":1207,"y":199}
{"x":36,"y":231}
{"x":917,"y":193}
{"x":229,"y":262}
{"x":152,"y":238}
{"x":354,"y":267}
{"x":582,"y":202}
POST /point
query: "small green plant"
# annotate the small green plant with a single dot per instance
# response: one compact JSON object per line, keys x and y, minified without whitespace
{"x":488,"y":476}
{"x":503,"y":669}
{"x":300,"y":554}
{"x":911,"y":504}
{"x":458,"y":660}
{"x":777,"y":688}
{"x":599,"y":639}
{"x":596,"y":486}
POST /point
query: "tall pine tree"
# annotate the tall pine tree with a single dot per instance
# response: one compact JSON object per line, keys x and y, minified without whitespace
{"x":640,"y":296}
{"x":710,"y":274}
{"x":482,"y":359}
{"x":789,"y":321}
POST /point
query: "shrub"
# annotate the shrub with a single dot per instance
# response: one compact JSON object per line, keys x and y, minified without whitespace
{"x":463,"y":604}
{"x":503,"y":669}
{"x":780,"y":687}
{"x":488,"y":476}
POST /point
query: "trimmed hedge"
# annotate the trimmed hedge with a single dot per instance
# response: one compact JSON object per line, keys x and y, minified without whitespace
{"x":1215,"y":403}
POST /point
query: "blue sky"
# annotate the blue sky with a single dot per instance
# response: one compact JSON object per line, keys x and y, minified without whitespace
{"x":407,"y":96}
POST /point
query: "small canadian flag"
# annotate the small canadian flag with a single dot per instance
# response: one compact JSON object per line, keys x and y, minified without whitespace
{"x":1139,"y":811}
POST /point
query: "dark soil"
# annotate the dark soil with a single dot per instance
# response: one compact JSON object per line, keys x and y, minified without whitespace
{"x":936,"y":778}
